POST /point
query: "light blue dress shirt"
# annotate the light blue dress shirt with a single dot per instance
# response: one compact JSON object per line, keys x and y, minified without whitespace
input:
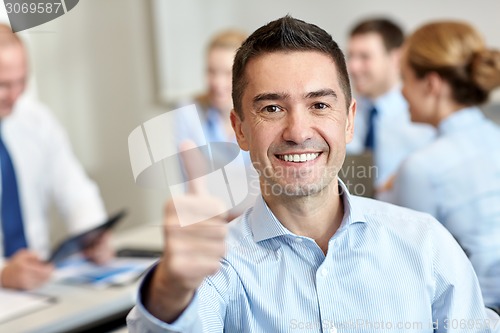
{"x":387,"y":269}
{"x":457,"y":180}
{"x":395,"y":135}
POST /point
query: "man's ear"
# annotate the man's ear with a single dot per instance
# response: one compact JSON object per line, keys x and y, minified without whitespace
{"x":395,"y":56}
{"x":349,"y":127}
{"x":237,"y":125}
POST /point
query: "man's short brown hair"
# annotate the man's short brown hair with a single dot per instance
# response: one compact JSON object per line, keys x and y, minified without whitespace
{"x":392,"y":35}
{"x":283,"y":35}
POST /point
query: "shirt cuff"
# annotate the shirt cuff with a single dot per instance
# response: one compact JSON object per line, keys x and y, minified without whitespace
{"x":141,"y":320}
{"x":494,"y":319}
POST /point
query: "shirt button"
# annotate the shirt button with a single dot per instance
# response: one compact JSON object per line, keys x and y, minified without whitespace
{"x":323,"y":272}
{"x":298,"y":240}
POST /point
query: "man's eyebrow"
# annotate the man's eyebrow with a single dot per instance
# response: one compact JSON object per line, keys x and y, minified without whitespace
{"x":270,"y":97}
{"x":321,"y":93}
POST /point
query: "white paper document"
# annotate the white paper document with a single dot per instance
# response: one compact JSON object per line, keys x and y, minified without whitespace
{"x":15,"y":303}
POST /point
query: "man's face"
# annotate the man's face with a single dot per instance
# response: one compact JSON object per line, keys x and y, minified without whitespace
{"x":13,"y":73}
{"x":296,"y":124}
{"x":219,"y":74}
{"x":370,"y":65}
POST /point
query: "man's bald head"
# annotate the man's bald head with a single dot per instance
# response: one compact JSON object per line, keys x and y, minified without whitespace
{"x":13,"y":69}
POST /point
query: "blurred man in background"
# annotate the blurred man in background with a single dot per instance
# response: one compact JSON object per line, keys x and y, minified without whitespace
{"x":383,"y":124}
{"x":37,"y":167}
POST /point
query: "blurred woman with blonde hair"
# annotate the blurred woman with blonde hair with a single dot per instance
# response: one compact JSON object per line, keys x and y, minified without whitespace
{"x":213,"y":110}
{"x":447,"y":72}
{"x":216,"y":103}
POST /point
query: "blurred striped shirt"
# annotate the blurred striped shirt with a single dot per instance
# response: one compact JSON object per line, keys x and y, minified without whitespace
{"x":387,"y":269}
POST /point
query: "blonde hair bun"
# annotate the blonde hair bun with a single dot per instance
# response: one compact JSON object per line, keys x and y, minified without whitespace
{"x":485,"y":69}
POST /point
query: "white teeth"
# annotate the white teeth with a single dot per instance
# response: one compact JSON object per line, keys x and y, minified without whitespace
{"x":298,"y":158}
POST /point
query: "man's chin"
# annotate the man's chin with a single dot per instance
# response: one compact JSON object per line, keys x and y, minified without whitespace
{"x":361,"y":90}
{"x":5,"y":112}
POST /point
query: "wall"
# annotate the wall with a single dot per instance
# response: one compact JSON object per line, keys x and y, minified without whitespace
{"x":183,"y":29}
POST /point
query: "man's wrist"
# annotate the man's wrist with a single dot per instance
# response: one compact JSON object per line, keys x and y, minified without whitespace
{"x":163,"y":300}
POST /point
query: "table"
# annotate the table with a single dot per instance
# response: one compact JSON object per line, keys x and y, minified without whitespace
{"x":79,"y":307}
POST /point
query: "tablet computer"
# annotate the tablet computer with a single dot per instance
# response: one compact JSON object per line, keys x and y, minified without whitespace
{"x":82,"y":241}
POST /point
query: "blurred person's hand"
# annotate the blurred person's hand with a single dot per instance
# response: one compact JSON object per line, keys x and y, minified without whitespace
{"x":101,"y":251}
{"x":24,"y":270}
{"x":191,"y":250}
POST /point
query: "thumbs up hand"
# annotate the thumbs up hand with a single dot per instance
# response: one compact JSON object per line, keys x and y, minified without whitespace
{"x":192,"y":250}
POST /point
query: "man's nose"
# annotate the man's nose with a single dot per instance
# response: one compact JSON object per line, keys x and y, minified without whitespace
{"x":298,"y":126}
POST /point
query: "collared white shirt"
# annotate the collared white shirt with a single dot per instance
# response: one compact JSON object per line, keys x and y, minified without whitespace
{"x":386,"y":266}
{"x":395,"y":135}
{"x":47,"y":172}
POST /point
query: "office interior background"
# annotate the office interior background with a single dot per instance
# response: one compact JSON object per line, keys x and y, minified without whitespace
{"x":109,"y":65}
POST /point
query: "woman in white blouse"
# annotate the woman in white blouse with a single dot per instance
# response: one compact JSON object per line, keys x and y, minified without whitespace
{"x":447,"y":72}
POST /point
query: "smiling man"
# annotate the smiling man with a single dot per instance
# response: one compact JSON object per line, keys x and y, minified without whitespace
{"x":308,"y":256}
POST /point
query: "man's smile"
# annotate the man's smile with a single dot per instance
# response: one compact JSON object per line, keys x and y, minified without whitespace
{"x":298,"y":157}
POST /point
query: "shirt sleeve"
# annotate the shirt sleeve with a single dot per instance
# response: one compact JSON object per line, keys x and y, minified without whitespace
{"x":205,"y":313}
{"x":76,"y":196}
{"x":457,"y":305}
{"x":413,"y":187}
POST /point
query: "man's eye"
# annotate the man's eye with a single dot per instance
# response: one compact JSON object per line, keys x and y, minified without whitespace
{"x":320,"y":106}
{"x":272,"y":108}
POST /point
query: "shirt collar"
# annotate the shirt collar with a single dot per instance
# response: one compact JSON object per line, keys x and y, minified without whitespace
{"x":391,"y":103}
{"x":264,"y":224}
{"x":457,"y":121}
